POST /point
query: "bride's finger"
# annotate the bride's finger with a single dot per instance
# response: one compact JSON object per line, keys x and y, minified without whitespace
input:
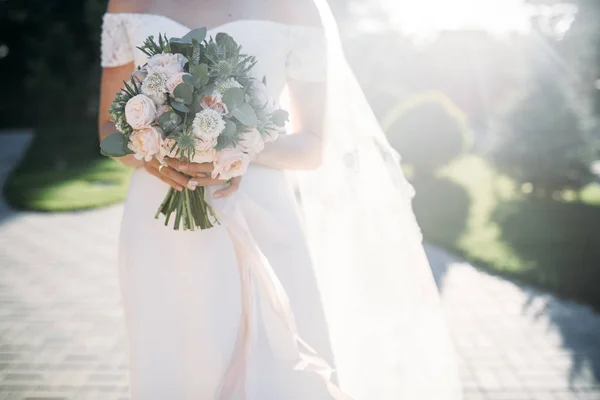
{"x":194,"y":169}
{"x":208,"y":181}
{"x":234,"y":185}
{"x":170,"y":182}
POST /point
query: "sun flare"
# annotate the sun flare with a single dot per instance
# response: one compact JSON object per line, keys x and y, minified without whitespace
{"x":427,"y":17}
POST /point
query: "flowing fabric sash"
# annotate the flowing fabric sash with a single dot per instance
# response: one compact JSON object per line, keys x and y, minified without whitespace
{"x":254,"y":265}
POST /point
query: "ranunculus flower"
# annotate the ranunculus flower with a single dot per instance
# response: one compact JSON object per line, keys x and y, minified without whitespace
{"x":168,"y":64}
{"x":260,"y":95}
{"x":207,"y":126}
{"x":230,"y":162}
{"x":214,"y":103}
{"x":174,"y":81}
{"x":140,"y":111}
{"x":204,"y":156}
{"x":252,"y":142}
{"x":146,"y":142}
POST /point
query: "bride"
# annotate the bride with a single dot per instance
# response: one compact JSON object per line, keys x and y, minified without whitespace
{"x":322,"y":220}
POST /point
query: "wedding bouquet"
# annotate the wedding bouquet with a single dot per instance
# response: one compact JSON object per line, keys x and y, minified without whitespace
{"x":194,"y":100}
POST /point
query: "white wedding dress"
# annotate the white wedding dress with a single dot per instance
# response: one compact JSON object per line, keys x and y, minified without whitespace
{"x":181,"y":291}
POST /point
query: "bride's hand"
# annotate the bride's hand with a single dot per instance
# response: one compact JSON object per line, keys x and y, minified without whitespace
{"x":201,"y":176}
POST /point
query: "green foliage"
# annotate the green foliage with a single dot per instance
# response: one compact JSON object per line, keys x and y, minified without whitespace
{"x":428,"y":131}
{"x":150,"y":47}
{"x":547,"y":243}
{"x":542,"y":142}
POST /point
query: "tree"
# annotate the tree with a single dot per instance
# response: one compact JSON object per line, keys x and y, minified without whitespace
{"x":542,"y":140}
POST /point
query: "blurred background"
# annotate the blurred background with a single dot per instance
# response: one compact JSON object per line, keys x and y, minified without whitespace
{"x":494,"y":106}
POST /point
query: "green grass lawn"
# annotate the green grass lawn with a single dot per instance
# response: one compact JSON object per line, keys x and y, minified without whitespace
{"x":97,"y":183}
{"x":63,"y":171}
{"x":548,"y":243}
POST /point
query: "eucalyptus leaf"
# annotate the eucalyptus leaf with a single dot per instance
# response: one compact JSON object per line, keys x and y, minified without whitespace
{"x":198,"y":34}
{"x":189,"y":79}
{"x":169,"y":121}
{"x":200,"y":71}
{"x":233,"y":98}
{"x":115,"y":145}
{"x":185,"y":93}
{"x":230,"y":129}
{"x":179,"y":106}
{"x":207,"y":90}
{"x":279,"y":117}
{"x":245,"y":114}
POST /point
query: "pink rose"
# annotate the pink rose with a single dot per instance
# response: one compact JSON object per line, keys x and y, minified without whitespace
{"x":168,"y":148}
{"x":252,"y":142}
{"x":174,"y":81}
{"x":214,"y":103}
{"x":140,"y":111}
{"x":146,"y":142}
{"x":230,"y":162}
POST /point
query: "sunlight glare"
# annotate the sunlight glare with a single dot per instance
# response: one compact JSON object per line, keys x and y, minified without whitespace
{"x":427,"y":17}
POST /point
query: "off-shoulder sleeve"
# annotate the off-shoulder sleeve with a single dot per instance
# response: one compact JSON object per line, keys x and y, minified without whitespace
{"x":307,"y":57}
{"x":115,"y":47}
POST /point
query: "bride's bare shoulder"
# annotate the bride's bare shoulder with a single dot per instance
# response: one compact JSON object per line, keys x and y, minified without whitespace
{"x":126,"y":6}
{"x":300,"y":12}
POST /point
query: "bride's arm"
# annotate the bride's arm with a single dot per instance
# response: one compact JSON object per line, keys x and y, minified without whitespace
{"x":304,"y":148}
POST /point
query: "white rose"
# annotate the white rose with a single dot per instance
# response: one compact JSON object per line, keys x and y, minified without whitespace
{"x":271,"y":135}
{"x":252,"y":142}
{"x":168,"y":64}
{"x":146,"y":142}
{"x":140,"y":111}
{"x":168,"y":148}
{"x":230,"y":162}
{"x":259,"y":95}
{"x":207,"y":126}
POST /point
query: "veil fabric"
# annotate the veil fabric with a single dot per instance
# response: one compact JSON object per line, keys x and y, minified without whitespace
{"x":387,"y":331}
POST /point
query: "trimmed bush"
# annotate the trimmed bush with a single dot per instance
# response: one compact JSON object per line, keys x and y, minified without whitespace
{"x":428,"y":130}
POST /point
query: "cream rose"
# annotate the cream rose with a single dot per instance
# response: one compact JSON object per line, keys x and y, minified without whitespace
{"x":168,"y":64}
{"x":140,"y":111}
{"x":204,"y":156}
{"x":146,"y":142}
{"x":214,"y":103}
{"x":252,"y":142}
{"x":271,"y":135}
{"x":230,"y":162}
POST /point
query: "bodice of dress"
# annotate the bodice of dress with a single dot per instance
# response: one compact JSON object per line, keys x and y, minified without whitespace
{"x":283,"y":51}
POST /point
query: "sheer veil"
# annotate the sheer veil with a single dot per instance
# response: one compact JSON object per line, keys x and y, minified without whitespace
{"x":388,"y":332}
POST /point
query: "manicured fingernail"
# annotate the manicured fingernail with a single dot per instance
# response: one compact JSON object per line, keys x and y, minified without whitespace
{"x":218,"y":195}
{"x":192,"y":185}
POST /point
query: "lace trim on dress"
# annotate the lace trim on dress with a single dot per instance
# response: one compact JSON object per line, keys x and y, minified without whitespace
{"x":115,"y":49}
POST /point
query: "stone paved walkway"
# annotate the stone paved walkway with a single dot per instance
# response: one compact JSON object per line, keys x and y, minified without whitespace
{"x":62,"y":334}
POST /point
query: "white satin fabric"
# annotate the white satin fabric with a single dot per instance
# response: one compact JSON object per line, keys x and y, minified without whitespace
{"x":183,"y":300}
